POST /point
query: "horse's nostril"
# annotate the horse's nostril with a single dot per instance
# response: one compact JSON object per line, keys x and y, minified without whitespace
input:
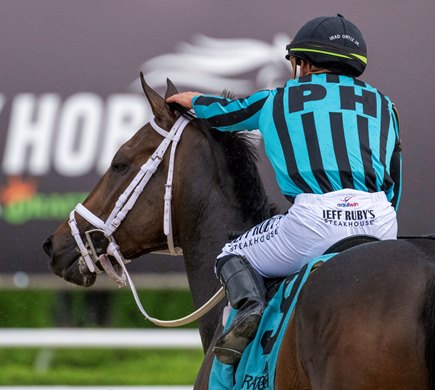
{"x":48,"y":246}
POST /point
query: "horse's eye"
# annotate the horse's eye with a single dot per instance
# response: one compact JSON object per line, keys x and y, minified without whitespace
{"x":119,"y":167}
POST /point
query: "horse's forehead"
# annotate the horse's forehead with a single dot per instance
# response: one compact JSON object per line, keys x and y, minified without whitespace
{"x":147,"y":140}
{"x":145,"y":136}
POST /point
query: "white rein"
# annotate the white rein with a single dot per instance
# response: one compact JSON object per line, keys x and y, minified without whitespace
{"x":123,"y":205}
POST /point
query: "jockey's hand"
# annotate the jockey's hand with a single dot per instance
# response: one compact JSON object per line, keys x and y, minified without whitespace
{"x":184,"y":98}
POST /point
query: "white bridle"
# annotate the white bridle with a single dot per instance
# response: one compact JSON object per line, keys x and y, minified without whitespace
{"x":123,"y":205}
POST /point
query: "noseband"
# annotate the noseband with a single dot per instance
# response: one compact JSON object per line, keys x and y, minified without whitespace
{"x":123,"y":205}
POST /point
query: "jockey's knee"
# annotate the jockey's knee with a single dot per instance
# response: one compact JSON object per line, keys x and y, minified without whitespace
{"x":222,"y":260}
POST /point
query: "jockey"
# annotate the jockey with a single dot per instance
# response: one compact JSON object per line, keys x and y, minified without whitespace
{"x":333,"y":141}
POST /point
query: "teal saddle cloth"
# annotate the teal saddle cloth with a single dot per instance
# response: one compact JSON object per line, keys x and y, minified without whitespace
{"x":256,"y":369}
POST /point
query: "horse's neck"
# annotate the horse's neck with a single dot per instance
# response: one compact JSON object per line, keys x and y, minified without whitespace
{"x":203,"y":287}
{"x":199,"y":262}
{"x":207,"y":211}
{"x":200,"y":246}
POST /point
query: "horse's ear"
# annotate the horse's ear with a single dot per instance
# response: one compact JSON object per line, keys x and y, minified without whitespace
{"x":158,"y":105}
{"x":171,"y":89}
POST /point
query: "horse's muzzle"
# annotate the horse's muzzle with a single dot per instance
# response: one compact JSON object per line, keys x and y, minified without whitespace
{"x":67,"y":264}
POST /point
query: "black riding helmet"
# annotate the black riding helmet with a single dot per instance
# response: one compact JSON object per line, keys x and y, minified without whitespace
{"x":331,"y":42}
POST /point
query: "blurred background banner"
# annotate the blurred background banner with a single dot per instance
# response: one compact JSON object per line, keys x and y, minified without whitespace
{"x":70,"y":93}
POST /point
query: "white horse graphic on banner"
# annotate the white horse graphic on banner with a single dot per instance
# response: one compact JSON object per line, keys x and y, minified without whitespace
{"x":210,"y":64}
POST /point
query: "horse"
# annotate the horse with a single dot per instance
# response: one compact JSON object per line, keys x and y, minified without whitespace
{"x":364,"y":320}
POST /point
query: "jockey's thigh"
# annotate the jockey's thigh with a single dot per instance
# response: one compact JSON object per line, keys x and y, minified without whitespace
{"x":283,"y":244}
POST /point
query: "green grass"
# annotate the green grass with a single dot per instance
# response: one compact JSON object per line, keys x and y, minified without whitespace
{"x":39,"y":308}
{"x":98,"y":367}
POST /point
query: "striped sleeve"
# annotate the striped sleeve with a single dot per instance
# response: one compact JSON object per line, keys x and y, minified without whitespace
{"x":231,"y":115}
{"x":396,"y":162}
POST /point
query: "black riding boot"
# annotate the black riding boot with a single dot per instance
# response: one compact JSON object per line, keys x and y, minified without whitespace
{"x":245,"y":290}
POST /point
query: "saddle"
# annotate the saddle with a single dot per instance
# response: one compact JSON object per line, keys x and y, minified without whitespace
{"x":349,"y":242}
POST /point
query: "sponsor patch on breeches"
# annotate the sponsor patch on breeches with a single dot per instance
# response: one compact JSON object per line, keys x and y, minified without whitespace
{"x":349,"y":218}
{"x":261,"y":233}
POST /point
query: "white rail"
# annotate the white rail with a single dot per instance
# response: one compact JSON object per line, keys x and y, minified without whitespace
{"x":100,"y":338}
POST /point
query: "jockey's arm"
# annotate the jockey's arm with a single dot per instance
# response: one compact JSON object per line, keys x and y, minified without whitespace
{"x":223,"y":113}
{"x":396,"y":163}
{"x":396,"y":174}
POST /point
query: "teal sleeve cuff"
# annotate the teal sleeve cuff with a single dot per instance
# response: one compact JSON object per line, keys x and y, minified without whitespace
{"x":194,"y":100}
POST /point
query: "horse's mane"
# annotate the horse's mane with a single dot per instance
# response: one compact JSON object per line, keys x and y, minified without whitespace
{"x":241,"y":156}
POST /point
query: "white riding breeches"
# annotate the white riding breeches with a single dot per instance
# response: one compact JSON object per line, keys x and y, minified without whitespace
{"x":283,"y":244}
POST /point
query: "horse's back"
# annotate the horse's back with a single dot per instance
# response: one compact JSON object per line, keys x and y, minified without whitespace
{"x":359,"y":322}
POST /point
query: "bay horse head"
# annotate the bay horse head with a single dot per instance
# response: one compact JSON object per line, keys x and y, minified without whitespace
{"x":107,"y":222}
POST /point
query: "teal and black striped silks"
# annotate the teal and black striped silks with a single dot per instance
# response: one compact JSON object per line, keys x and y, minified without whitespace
{"x":322,"y":133}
